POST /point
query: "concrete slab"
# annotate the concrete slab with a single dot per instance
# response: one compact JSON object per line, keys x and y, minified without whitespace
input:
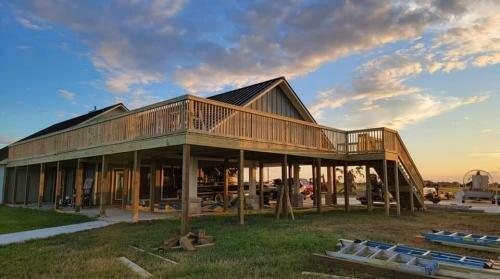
{"x":18,"y":237}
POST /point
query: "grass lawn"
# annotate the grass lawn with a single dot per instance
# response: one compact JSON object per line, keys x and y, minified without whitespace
{"x":262,"y":248}
{"x":16,"y":219}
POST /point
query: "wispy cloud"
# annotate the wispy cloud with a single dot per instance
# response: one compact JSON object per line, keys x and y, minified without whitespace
{"x":493,"y":155}
{"x":66,"y":94}
{"x":28,"y":24}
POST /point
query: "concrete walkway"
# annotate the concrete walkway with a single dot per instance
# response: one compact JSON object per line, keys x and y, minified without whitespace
{"x":17,"y":237}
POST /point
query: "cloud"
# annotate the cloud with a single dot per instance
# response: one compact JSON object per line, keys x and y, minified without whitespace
{"x":6,"y":140}
{"x":487,"y":130}
{"x":68,"y":95}
{"x":28,"y":24}
{"x":492,"y":155}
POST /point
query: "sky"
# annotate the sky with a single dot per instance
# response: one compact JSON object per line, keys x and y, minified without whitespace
{"x":430,"y":69}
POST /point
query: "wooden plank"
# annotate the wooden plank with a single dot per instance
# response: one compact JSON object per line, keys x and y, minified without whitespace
{"x":141,"y":272}
{"x":186,"y":157}
{"x":154,"y":255}
{"x":241,"y":193}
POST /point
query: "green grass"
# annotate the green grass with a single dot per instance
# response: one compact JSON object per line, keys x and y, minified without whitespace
{"x":263,"y":247}
{"x":16,"y":219}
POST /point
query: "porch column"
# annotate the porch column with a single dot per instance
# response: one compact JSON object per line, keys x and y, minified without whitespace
{"x":298,"y":201}
{"x":136,"y":181}
{"x":26,"y":185}
{"x":282,"y":192}
{"x":396,"y":186}
{"x":58,"y":187}
{"x":104,"y":186}
{"x":186,"y":156}
{"x":313,"y":174}
{"x":329,"y":186}
{"x":253,"y":200}
{"x":241,"y":193}
{"x":318,"y":187}
{"x":412,"y":205}
{"x":347,"y":188}
{"x":41,"y":185}
{"x":78,"y":185}
{"x":152,"y":183}
{"x":226,"y":184}
{"x":386,"y":189}
{"x":126,"y":184}
{"x":261,"y":186}
{"x":14,"y":186}
{"x":369,"y":198}
{"x":334,"y":190}
{"x":194,"y":201}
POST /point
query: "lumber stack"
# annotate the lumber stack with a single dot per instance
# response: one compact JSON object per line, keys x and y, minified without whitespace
{"x":189,"y":242}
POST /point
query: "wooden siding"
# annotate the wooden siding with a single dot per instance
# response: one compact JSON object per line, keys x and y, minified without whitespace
{"x":275,"y":101}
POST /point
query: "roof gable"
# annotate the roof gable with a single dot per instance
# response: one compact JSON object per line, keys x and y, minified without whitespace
{"x":247,"y":96}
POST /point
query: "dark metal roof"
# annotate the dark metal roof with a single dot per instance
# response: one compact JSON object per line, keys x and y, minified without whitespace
{"x":70,"y":122}
{"x":4,"y":153}
{"x":244,"y":95}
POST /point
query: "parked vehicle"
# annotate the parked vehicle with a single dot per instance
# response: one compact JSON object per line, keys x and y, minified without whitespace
{"x":377,"y":191}
{"x":431,"y":194}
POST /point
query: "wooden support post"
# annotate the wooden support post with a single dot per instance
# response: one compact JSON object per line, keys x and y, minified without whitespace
{"x":297,"y":196}
{"x":334,"y":194}
{"x":186,"y":157}
{"x":369,"y":197}
{"x":104,"y":186}
{"x":241,"y":192}
{"x":136,"y":188}
{"x":261,"y":186}
{"x":396,"y":188}
{"x":412,"y":205}
{"x":329,"y":186}
{"x":318,"y":187}
{"x":4,"y":183}
{"x":313,"y":174}
{"x":386,"y":189}
{"x":26,"y":185}
{"x":226,"y":184}
{"x":58,"y":188}
{"x":152,"y":183}
{"x":126,"y":185}
{"x":41,"y":185}
{"x":286,"y":188}
{"x":78,"y":185}
{"x":14,"y":186}
{"x":347,"y":188}
{"x":282,"y":189}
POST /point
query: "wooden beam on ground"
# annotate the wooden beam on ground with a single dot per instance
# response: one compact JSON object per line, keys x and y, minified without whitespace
{"x":346,"y":188}
{"x":78,"y":185}
{"x":241,"y":192}
{"x":186,"y":157}
{"x":41,"y":184}
{"x":369,"y":197}
{"x":58,"y":188}
{"x":141,"y":272}
{"x":26,"y":185}
{"x":261,"y":186}
{"x":386,"y":189}
{"x":136,"y":181}
{"x":152,"y":183}
{"x":104,"y":186}
{"x":226,"y":184}
{"x":396,"y":188}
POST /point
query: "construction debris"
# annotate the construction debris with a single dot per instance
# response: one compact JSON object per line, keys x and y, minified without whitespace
{"x":465,"y":240}
{"x":135,"y":268}
{"x":323,"y":275}
{"x":400,"y":260}
{"x":154,"y":255}
{"x":188,"y":242}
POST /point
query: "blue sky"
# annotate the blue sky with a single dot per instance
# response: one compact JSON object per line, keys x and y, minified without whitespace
{"x":428,"y":68}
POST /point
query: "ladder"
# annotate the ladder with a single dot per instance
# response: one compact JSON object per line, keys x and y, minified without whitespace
{"x":441,"y":257}
{"x":465,"y":240}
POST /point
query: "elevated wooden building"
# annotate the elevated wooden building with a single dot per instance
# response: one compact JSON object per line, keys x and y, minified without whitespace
{"x":148,"y":157}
